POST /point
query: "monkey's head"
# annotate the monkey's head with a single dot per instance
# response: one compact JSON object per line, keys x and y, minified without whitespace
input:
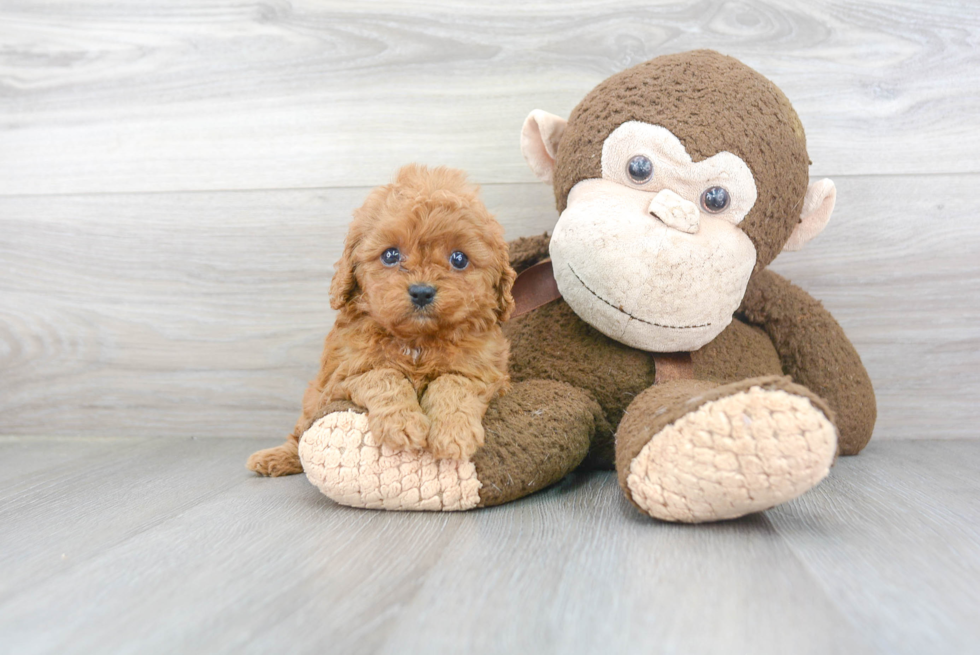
{"x":676,"y":180}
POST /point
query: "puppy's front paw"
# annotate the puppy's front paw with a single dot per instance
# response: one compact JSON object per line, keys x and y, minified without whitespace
{"x":455,"y":436}
{"x":403,"y":429}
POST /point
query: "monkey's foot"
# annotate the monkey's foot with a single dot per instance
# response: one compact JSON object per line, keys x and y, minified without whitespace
{"x":729,"y":457}
{"x":344,"y":460}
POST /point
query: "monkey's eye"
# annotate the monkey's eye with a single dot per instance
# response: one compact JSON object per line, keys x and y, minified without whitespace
{"x":390,"y":257}
{"x":640,"y":169}
{"x":459,"y":260}
{"x":715,"y":200}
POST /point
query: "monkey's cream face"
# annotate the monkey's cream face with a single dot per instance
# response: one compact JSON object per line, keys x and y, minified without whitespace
{"x":651,"y":254}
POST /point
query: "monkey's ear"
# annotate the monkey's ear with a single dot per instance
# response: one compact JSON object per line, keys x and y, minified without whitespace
{"x":539,"y":142}
{"x":818,"y":205}
{"x":343,"y":285}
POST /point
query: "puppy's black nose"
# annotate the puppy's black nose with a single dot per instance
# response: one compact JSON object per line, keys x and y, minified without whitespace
{"x":422,"y":294}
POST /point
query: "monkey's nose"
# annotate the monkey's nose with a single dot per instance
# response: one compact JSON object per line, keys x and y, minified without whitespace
{"x":422,"y":294}
{"x":675,"y":211}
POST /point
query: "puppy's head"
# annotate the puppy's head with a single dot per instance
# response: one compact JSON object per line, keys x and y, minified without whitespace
{"x":424,"y":257}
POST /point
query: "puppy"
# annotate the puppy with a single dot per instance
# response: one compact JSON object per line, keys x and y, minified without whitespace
{"x":421,"y":289}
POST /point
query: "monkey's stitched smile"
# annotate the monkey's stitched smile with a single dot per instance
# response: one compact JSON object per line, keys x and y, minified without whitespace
{"x":637,"y":318}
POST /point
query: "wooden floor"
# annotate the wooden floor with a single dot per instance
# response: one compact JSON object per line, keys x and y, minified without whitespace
{"x":171,"y":546}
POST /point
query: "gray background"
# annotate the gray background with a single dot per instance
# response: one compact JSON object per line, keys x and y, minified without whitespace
{"x":176,"y":179}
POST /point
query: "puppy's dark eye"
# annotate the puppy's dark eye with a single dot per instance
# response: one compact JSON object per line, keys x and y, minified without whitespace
{"x":715,"y":200}
{"x":390,"y":257}
{"x":458,"y":260}
{"x":640,"y":169}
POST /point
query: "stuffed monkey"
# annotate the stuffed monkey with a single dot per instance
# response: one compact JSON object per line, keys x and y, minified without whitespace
{"x":713,"y":386}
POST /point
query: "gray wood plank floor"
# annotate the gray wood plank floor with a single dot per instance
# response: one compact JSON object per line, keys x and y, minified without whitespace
{"x":170,"y":545}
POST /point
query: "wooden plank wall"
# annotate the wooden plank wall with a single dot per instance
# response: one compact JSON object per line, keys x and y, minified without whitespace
{"x":175,"y":181}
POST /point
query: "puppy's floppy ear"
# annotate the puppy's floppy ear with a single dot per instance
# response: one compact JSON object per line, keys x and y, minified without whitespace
{"x":505,"y":301}
{"x":343,"y":286}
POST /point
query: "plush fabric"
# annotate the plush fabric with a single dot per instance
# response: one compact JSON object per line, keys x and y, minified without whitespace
{"x":713,"y":104}
{"x":343,"y":459}
{"x":818,"y":205}
{"x":553,"y":343}
{"x":751,"y":450}
{"x":676,"y":285}
{"x":347,"y":462}
{"x":525,"y":252}
{"x":662,"y":147}
{"x":815,"y":351}
{"x":562,"y":420}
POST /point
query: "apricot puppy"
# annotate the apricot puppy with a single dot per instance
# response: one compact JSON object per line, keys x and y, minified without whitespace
{"x":421,"y":289}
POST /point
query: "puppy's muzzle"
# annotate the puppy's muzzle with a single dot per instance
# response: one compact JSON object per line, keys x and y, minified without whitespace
{"x":422,"y":294}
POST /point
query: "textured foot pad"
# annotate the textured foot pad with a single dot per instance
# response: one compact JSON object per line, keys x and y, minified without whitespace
{"x":345,"y":461}
{"x":740,"y":454}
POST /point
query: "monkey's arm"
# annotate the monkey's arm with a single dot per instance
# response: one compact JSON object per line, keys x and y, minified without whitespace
{"x":815,"y":351}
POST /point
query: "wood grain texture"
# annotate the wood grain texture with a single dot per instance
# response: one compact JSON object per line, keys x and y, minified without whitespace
{"x":898,"y":267}
{"x":22,"y":460}
{"x":661,"y":588}
{"x":911,"y":537}
{"x":213,"y":95}
{"x":176,"y":314}
{"x":204,"y":313}
{"x":61,"y":516}
{"x":171,"y":546}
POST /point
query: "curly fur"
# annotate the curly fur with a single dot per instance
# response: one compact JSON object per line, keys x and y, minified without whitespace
{"x":424,"y":375}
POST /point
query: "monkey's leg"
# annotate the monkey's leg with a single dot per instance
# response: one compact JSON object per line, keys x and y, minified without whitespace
{"x":535,"y":435}
{"x":692,"y":451}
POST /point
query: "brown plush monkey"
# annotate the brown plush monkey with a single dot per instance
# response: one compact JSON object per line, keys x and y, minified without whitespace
{"x":678,"y":182}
